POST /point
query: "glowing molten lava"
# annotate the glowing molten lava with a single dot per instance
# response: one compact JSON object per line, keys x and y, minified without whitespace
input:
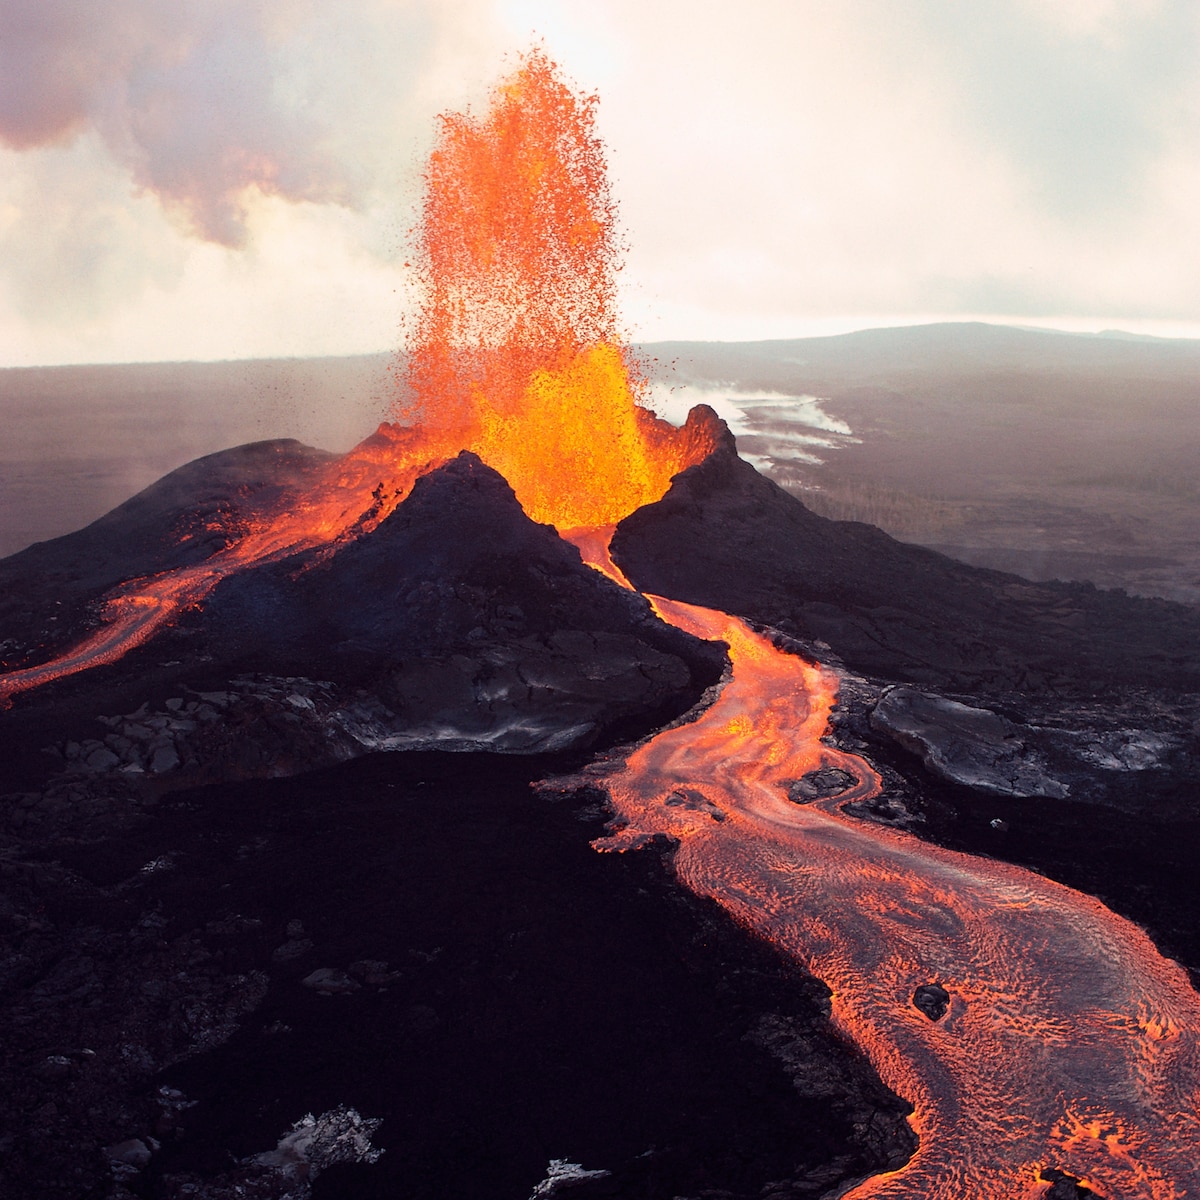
{"x":517,"y":354}
{"x":1070,"y":1043}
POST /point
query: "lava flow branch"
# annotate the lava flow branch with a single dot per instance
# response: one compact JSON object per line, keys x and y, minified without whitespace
{"x":1068,"y":1044}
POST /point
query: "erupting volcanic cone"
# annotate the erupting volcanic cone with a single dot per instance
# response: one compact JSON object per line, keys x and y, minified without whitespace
{"x":1068,"y":1045}
{"x":515,"y":356}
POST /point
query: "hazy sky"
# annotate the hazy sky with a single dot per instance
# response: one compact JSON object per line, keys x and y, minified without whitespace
{"x":231,"y":178}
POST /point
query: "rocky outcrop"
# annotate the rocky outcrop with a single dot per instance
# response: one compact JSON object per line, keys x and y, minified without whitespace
{"x":972,"y":746}
{"x":820,"y":785}
{"x":932,"y":999}
{"x":525,"y":696}
{"x":457,"y":624}
{"x":726,"y":537}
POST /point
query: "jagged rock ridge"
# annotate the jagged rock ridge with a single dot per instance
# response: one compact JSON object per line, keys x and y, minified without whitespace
{"x":726,"y":537}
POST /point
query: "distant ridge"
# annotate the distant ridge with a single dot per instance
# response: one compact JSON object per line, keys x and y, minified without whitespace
{"x":954,"y":345}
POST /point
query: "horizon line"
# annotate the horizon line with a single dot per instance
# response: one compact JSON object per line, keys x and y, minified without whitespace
{"x":1148,"y":330}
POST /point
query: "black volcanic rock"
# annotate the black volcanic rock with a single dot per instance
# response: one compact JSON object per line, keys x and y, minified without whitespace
{"x":457,"y":562}
{"x":1064,"y":1186}
{"x":183,"y":518}
{"x":456,"y":623}
{"x":726,"y":537}
{"x":932,"y":999}
{"x":515,"y":991}
{"x":419,"y":933}
{"x":963,"y":744}
{"x":473,"y":624}
{"x":820,"y":785}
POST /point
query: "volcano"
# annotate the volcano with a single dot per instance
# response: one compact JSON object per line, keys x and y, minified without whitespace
{"x":895,"y":849}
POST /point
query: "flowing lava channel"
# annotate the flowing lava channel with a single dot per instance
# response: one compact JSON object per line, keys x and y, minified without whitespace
{"x":1069,"y":1042}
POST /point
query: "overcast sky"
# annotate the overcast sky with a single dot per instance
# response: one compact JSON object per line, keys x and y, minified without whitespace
{"x":235,"y":178}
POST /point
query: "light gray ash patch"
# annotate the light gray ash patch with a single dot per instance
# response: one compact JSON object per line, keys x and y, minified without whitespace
{"x":1119,"y":749}
{"x":972,"y":746}
{"x":304,"y":1152}
{"x":559,"y":1174}
{"x":341,"y":1135}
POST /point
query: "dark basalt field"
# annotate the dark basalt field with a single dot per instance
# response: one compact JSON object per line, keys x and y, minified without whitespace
{"x":214,"y":923}
{"x":501,"y":996}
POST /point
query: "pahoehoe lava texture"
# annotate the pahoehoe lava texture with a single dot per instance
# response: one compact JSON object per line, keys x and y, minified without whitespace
{"x":726,"y":537}
{"x":1067,"y":656}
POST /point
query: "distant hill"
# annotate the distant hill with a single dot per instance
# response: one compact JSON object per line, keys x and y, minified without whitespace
{"x":948,"y":347}
{"x":80,"y":440}
{"x":1054,"y":455}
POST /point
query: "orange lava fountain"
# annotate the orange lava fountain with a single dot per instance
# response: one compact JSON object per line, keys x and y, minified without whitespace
{"x":1070,"y":1042}
{"x":516,"y":354}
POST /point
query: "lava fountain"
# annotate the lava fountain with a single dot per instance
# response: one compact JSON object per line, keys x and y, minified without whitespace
{"x":517,"y":353}
{"x":1069,"y":1044}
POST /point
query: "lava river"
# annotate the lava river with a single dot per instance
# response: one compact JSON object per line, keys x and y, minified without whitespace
{"x":1070,"y":1043}
{"x":354,"y":493}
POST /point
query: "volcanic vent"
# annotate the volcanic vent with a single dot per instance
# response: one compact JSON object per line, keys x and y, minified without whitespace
{"x":406,"y":570}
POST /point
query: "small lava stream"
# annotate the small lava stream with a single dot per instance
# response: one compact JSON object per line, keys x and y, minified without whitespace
{"x":355,"y":493}
{"x":1069,"y":1043}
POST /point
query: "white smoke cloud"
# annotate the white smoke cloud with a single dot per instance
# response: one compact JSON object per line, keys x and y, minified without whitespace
{"x":132,"y":129}
{"x":239,"y":176}
{"x":206,"y":104}
{"x":182,"y":95}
